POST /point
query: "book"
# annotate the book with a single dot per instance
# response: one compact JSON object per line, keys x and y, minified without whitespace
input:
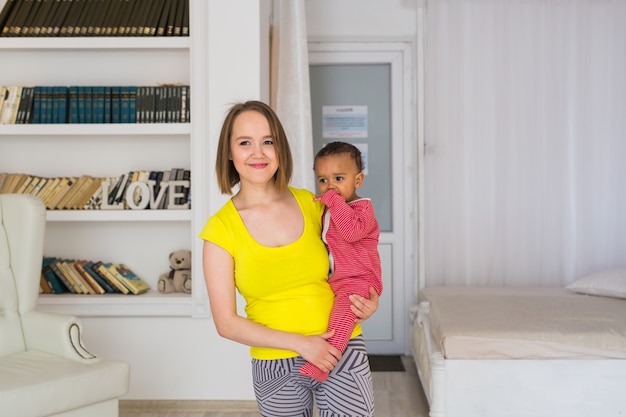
{"x":115,"y":104}
{"x":111,"y":21}
{"x":152,"y":20}
{"x":55,"y":283}
{"x":90,"y":190}
{"x":6,"y":12}
{"x":88,"y":268}
{"x":81,"y":188}
{"x":93,"y":283}
{"x":44,"y":286}
{"x":124,"y":104}
{"x":107,"y":105}
{"x":185,"y":27}
{"x":38,"y":22}
{"x":121,"y":195}
{"x":62,"y":203}
{"x":3,"y":96}
{"x":48,"y":21}
{"x":23,"y":111}
{"x":103,"y":269}
{"x":51,"y":184}
{"x":161,"y":29}
{"x":80,"y":17}
{"x":97,"y":114}
{"x":98,"y":12}
{"x":178,"y":20}
{"x":58,"y":104}
{"x":99,"y":22}
{"x":78,"y":193}
{"x":113,"y":188}
{"x":63,"y":188}
{"x":8,"y":183}
{"x":73,"y":104}
{"x":24,"y":185}
{"x":37,"y":104}
{"x":29,"y":186}
{"x":44,"y":114}
{"x":128,"y":278}
{"x":71,"y":18}
{"x":21,"y":18}
{"x":67,"y":266}
{"x":12,"y":13}
{"x":140,"y":17}
{"x":57,"y":23}
{"x":15,"y":183}
{"x":171,"y":18}
{"x":11,"y":105}
{"x":31,"y":17}
{"x":41,"y":185}
{"x":56,"y":267}
{"x":132,"y":104}
{"x":123,"y":16}
{"x":87,"y":104}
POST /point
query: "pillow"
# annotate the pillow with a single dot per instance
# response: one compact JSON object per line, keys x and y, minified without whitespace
{"x":610,"y":283}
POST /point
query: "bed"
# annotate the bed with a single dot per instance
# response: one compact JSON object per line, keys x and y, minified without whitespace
{"x":527,"y":352}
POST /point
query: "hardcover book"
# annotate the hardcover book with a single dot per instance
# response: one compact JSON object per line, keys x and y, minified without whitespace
{"x":94,"y":284}
{"x":56,"y":267}
{"x":128,"y":278}
{"x":88,"y":268}
{"x":103,"y":269}
{"x":53,"y":280}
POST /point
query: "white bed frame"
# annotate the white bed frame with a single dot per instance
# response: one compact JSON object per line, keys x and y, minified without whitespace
{"x":519,"y":388}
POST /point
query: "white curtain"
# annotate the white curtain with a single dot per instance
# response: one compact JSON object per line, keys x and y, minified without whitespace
{"x":525,"y":166}
{"x":290,"y":95}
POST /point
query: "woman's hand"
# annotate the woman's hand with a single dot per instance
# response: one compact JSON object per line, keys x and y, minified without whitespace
{"x":362,"y":307}
{"x":319,"y":352}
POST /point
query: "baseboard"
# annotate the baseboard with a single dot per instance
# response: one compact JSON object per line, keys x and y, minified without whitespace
{"x":188,"y":405}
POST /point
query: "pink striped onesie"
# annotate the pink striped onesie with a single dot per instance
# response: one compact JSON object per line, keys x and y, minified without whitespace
{"x":351,"y":233}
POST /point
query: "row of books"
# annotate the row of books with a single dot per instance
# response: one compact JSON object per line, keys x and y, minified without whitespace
{"x":94,"y":104}
{"x":95,"y":18}
{"x":141,"y":189}
{"x":73,"y":276}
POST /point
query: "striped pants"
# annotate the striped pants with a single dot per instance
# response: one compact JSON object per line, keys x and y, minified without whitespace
{"x":281,"y":391}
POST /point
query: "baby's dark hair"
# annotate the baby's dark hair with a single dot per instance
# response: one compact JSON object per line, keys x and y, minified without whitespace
{"x":335,"y":148}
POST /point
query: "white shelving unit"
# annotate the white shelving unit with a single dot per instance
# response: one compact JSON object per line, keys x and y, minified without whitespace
{"x":142,"y":239}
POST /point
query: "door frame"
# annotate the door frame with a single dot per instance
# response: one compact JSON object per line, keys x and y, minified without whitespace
{"x":404,"y":236}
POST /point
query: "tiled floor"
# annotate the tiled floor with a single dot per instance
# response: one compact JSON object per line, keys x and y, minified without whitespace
{"x":397,"y":394}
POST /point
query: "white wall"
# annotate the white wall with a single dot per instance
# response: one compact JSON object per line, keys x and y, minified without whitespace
{"x":362,"y":19}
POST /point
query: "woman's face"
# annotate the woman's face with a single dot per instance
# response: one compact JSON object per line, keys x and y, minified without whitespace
{"x":252,"y":148}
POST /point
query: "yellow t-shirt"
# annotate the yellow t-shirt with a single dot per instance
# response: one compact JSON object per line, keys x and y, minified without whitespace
{"x":285,"y":288}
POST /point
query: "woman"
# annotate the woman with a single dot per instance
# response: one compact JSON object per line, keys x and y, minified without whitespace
{"x":266,"y":243}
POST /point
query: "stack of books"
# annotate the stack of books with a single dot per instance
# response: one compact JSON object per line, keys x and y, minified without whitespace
{"x":94,"y":104}
{"x":73,"y":276}
{"x":89,"y":193}
{"x":95,"y":18}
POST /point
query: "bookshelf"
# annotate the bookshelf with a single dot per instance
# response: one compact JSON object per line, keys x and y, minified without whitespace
{"x":142,"y":239}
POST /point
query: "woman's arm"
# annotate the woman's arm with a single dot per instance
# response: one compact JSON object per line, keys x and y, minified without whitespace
{"x":218,"y":269}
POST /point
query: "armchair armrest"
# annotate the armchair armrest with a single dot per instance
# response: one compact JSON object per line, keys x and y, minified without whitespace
{"x":56,"y":334}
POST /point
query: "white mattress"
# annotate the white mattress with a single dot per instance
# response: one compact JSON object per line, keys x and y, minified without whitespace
{"x":524,"y":323}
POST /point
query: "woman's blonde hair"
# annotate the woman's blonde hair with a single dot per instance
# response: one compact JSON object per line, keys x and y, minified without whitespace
{"x":227,"y":175}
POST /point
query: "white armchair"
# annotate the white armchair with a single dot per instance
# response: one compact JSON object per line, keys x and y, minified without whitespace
{"x":44,"y":368}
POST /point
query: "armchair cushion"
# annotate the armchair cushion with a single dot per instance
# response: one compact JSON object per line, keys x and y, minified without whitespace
{"x":35,"y":383}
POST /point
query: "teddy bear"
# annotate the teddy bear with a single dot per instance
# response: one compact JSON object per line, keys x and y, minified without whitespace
{"x":179,"y":277}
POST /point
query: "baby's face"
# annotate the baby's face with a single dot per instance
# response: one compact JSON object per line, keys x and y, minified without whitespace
{"x":340,"y":173}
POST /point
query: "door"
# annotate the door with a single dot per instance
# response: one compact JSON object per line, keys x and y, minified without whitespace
{"x":359,"y":94}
